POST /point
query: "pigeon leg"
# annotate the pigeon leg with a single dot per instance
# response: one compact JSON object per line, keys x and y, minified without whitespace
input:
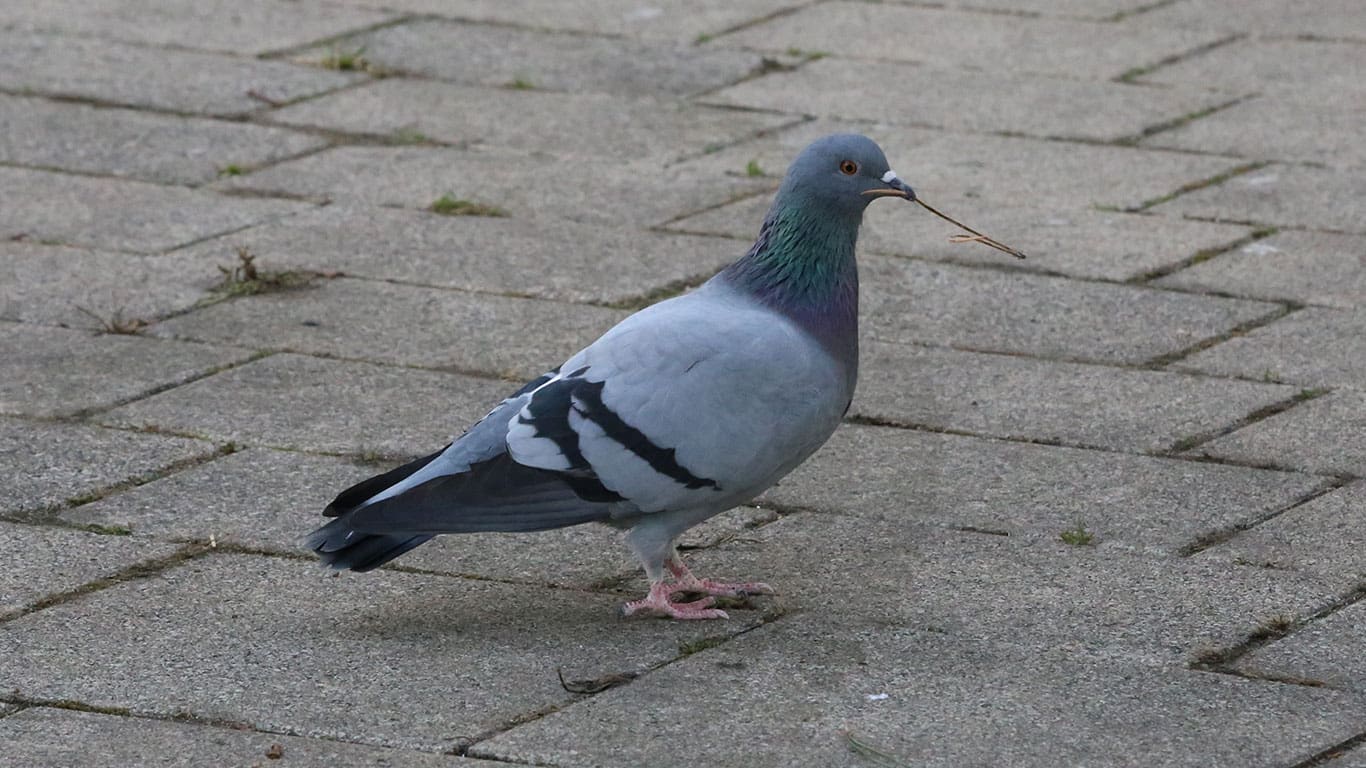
{"x":658,"y":602}
{"x":685,"y":581}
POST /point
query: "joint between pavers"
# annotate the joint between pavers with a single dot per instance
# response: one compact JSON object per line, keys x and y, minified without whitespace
{"x":756,"y":21}
{"x":1193,"y":186}
{"x":85,"y":413}
{"x":1146,"y":69}
{"x":1326,"y":756}
{"x":289,"y":50}
{"x":139,"y":570}
{"x":1124,"y":14}
{"x":1201,"y":256}
{"x":1222,"y":535}
{"x":1276,"y":628}
{"x":1242,"y":329}
{"x":1190,"y":442}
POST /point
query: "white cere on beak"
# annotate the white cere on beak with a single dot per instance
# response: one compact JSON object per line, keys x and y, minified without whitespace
{"x":888,"y":176}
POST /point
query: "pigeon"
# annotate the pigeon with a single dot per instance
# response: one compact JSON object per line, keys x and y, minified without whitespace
{"x":683,"y":410}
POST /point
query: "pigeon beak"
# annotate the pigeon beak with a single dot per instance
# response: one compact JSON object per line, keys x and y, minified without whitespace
{"x":895,"y":188}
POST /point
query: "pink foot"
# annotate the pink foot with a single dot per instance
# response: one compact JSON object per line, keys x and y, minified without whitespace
{"x":658,"y":603}
{"x":685,"y":581}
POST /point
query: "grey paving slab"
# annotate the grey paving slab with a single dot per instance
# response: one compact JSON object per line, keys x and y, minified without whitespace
{"x":230,"y":26}
{"x":945,"y":705}
{"x":971,"y":175}
{"x":1330,"y":650}
{"x":224,"y":502}
{"x":1315,"y":346}
{"x":527,"y":186}
{"x":546,"y":258}
{"x":49,"y":463}
{"x":1278,"y":128}
{"x":1322,"y":435}
{"x":1306,"y":267}
{"x":119,"y":214}
{"x":58,"y":560}
{"x":988,"y":42}
{"x":49,"y":284}
{"x":1032,"y":491}
{"x":497,"y":56}
{"x":53,"y":372}
{"x":1329,"y":18}
{"x":1323,"y":536}
{"x":418,"y":661}
{"x":159,"y":78}
{"x":1010,"y":311}
{"x":628,"y":18}
{"x":1041,"y":400}
{"x":1305,"y":70}
{"x":1082,"y":9}
{"x":581,"y":124}
{"x":1283,"y":195}
{"x":513,"y":338}
{"x":299,"y":402}
{"x":1034,"y":105}
{"x":139,"y":145}
{"x":58,"y":738}
{"x":1079,"y":242}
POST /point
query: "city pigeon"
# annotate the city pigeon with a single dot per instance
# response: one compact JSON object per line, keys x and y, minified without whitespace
{"x":682,"y":411}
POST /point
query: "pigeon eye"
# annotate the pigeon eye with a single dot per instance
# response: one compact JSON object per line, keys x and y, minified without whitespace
{"x":848,"y":167}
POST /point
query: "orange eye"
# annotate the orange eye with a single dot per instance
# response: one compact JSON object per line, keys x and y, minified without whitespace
{"x":848,"y":167}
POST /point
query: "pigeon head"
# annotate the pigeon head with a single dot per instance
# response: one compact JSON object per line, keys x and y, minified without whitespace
{"x":839,"y":175}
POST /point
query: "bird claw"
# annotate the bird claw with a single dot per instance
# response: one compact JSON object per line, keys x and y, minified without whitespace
{"x":657,"y":603}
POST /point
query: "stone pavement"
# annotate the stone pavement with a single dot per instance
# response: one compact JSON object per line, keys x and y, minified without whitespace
{"x":1104,"y":507}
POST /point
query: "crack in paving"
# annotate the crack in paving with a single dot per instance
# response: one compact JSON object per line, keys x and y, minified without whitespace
{"x":1191,"y":442}
{"x":1222,"y":535}
{"x":1145,"y":69}
{"x":140,"y":570}
{"x":1242,"y":329}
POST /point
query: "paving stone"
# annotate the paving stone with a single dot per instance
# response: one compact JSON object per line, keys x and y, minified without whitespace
{"x":545,"y":258}
{"x":1081,"y":9}
{"x":970,"y":176}
{"x":118,"y":214}
{"x":998,"y":311}
{"x":1024,"y":398}
{"x":52,"y":560}
{"x":988,"y":42}
{"x":225,"y":502}
{"x":58,"y":738}
{"x":49,"y":463}
{"x":1275,"y":128}
{"x":53,"y":372}
{"x":952,"y":707}
{"x":1314,"y":346}
{"x":1021,"y":104}
{"x":231,"y":26}
{"x":1282,"y":195}
{"x":158,"y":78}
{"x":1331,"y":650}
{"x":498,"y":56}
{"x":528,"y":186}
{"x":1034,"y":492}
{"x":307,"y":403}
{"x":1340,"y":19}
{"x":1079,"y":242}
{"x":513,"y":338}
{"x":583,"y":124}
{"x":139,"y":145}
{"x":1323,"y":536}
{"x":628,"y":18}
{"x":1312,"y":71}
{"x":1306,"y":267}
{"x":50,"y":284}
{"x":891,"y":592}
{"x":420,"y":661}
{"x":1322,"y":435}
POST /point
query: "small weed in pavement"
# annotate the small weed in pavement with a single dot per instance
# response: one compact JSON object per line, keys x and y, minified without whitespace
{"x":116,"y":323}
{"x":1077,"y":537}
{"x":521,"y":84}
{"x":345,"y":61}
{"x":245,"y":278}
{"x":752,"y":169}
{"x":231,"y":169}
{"x":450,"y":206}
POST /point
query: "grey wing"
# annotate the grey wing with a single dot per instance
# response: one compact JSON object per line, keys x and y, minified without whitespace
{"x":701,"y":401}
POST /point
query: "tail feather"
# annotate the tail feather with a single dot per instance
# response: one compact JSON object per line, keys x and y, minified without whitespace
{"x":343,"y":548}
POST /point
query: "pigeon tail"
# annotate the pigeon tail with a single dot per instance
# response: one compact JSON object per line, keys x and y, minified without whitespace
{"x":342,"y":548}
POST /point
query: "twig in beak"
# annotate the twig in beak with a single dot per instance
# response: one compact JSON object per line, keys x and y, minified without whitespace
{"x":976,"y":237}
